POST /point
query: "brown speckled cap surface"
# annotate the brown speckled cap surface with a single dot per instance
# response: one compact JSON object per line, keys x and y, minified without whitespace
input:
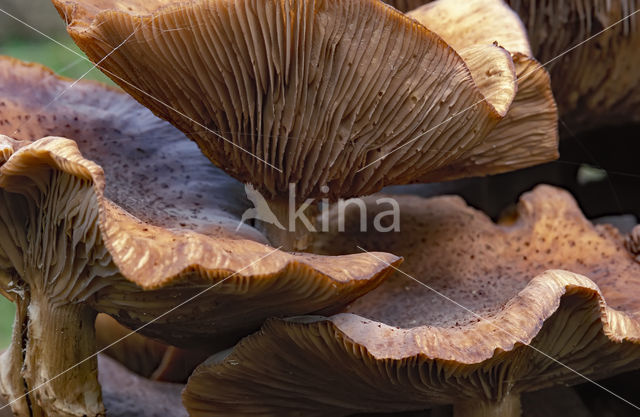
{"x":548,"y":279}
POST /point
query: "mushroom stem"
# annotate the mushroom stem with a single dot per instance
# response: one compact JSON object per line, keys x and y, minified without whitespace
{"x":509,"y":406}
{"x":51,"y":362}
{"x":11,"y":382}
{"x":292,"y":226}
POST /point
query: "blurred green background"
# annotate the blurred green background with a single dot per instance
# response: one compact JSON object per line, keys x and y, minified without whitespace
{"x":17,"y":39}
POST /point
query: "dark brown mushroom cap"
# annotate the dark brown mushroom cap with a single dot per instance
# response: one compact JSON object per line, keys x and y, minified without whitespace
{"x":332,"y":85}
{"x":146,"y":237}
{"x":406,"y":5}
{"x":403,"y":347}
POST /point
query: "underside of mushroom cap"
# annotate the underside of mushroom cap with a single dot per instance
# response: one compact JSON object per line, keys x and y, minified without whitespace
{"x":592,"y":69}
{"x":292,"y":84}
{"x":528,"y":134}
{"x":503,"y":320}
{"x":67,"y":250}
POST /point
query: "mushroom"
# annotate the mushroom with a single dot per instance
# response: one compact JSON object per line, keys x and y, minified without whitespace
{"x":406,"y":5}
{"x":480,"y":313}
{"x":595,"y":83}
{"x":335,"y":99}
{"x":129,"y":395}
{"x":141,"y":232}
{"x":531,"y":123}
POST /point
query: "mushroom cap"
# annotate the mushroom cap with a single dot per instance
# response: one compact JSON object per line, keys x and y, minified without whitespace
{"x":595,"y":84}
{"x":158,"y":220}
{"x":356,"y":90}
{"x":404,"y":347}
{"x":474,"y":22}
{"x":406,"y":5}
{"x":528,"y":134}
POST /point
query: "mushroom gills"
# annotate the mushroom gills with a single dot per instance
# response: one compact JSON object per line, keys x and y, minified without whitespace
{"x":50,"y":234}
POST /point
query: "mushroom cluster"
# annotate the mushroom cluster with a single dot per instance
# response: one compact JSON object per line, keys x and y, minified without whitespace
{"x":219,"y":223}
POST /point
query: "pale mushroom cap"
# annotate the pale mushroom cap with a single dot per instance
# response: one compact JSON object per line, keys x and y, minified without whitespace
{"x":474,"y":22}
{"x":294,"y":84}
{"x":403,"y":347}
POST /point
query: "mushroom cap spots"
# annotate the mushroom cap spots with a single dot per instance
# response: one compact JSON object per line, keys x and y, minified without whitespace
{"x":149,"y":167}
